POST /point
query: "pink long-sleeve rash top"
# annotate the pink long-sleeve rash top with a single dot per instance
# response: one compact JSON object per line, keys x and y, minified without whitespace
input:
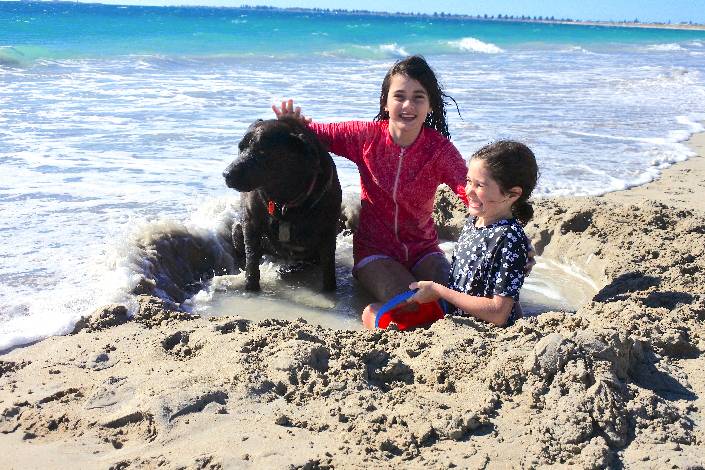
{"x":398,"y":186}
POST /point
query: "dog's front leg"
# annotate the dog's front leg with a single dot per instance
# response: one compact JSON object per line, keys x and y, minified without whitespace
{"x":253,"y":253}
{"x":327,"y":260}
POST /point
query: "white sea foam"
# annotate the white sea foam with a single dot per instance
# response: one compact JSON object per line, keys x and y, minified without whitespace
{"x":579,"y":49}
{"x":650,"y":140}
{"x":470,"y":44}
{"x":669,"y":80}
{"x":663,"y":158}
{"x":366,"y":52}
{"x":53,"y":310}
{"x":670,"y":47}
{"x":693,"y":122}
{"x":393,"y":50}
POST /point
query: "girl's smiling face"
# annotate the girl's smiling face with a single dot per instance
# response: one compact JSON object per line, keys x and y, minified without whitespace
{"x":486,"y":199}
{"x":407,"y":105}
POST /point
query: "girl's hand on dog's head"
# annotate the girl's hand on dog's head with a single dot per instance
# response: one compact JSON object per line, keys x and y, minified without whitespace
{"x":288,"y":110}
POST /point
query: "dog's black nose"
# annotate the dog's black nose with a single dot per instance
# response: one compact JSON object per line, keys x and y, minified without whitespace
{"x":228,"y":179}
{"x":228,"y":174}
{"x":238,"y":177}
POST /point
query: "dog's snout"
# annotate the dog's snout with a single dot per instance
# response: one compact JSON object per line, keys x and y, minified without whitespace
{"x":232,"y":175}
{"x":239,"y":176}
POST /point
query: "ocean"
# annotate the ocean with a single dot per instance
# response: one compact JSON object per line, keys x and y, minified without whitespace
{"x":116,"y":122}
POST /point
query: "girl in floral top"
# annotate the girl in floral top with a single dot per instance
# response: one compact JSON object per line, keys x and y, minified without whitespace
{"x":488,"y":262}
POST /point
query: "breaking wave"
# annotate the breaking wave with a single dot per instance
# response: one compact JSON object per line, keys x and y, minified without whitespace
{"x":475,"y":45}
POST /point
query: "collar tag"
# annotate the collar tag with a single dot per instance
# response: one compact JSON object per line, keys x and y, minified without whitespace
{"x":284,"y":231}
{"x":271,"y":207}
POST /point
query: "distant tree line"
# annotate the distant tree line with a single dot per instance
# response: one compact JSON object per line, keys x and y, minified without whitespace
{"x":481,"y":17}
{"x":440,"y":14}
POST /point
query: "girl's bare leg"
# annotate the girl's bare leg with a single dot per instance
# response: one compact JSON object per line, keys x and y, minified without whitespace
{"x":432,"y":268}
{"x":384,"y":278}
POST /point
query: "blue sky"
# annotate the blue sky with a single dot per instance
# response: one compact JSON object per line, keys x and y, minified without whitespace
{"x":645,"y":10}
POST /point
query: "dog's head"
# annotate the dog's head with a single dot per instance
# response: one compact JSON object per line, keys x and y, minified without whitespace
{"x":279,"y":156}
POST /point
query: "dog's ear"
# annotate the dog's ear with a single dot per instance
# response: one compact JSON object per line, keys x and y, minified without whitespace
{"x":308,"y":148}
{"x":252,"y":126}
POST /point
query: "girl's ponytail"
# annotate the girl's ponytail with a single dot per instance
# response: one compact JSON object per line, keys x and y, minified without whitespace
{"x":523,"y":211}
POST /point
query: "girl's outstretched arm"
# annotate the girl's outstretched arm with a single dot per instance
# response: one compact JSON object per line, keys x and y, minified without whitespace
{"x":495,"y":310}
{"x":288,"y":110}
{"x":341,"y":138}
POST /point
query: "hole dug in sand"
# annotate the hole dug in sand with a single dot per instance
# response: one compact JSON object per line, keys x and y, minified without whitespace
{"x":195,"y":272}
{"x":287,"y":294}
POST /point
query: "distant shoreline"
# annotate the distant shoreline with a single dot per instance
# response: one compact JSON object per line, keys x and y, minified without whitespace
{"x":500,"y":18}
{"x":614,"y":24}
{"x":437,"y":15}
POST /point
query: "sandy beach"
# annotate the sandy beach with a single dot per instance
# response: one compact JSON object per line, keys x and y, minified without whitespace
{"x":619,"y":383}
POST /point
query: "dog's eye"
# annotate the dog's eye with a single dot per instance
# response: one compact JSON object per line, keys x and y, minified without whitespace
{"x":257,"y":159}
{"x":245,"y":142}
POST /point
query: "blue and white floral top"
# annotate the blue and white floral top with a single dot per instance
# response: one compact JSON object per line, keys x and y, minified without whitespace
{"x":490,"y":261}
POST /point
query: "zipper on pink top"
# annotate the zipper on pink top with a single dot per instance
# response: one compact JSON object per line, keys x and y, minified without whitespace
{"x":396,"y":205}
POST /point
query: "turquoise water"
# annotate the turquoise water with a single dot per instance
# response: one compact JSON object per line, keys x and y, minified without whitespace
{"x":116,"y":122}
{"x":72,"y":31}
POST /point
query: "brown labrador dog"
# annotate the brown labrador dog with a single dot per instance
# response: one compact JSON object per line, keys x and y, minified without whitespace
{"x":290,"y":206}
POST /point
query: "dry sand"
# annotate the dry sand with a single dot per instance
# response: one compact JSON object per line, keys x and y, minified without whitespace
{"x":620,"y":383}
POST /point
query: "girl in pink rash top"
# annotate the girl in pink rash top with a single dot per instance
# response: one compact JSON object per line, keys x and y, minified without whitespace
{"x":403,"y":155}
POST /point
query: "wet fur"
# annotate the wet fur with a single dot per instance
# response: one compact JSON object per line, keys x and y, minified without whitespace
{"x":278,"y":160}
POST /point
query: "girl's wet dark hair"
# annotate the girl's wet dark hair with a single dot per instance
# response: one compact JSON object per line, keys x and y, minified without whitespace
{"x":512,"y":164}
{"x":416,"y":67}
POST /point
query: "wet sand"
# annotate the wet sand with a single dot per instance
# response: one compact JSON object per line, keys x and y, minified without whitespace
{"x":619,"y":383}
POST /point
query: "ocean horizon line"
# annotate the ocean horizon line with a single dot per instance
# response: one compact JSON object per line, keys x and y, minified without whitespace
{"x":539,"y":19}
